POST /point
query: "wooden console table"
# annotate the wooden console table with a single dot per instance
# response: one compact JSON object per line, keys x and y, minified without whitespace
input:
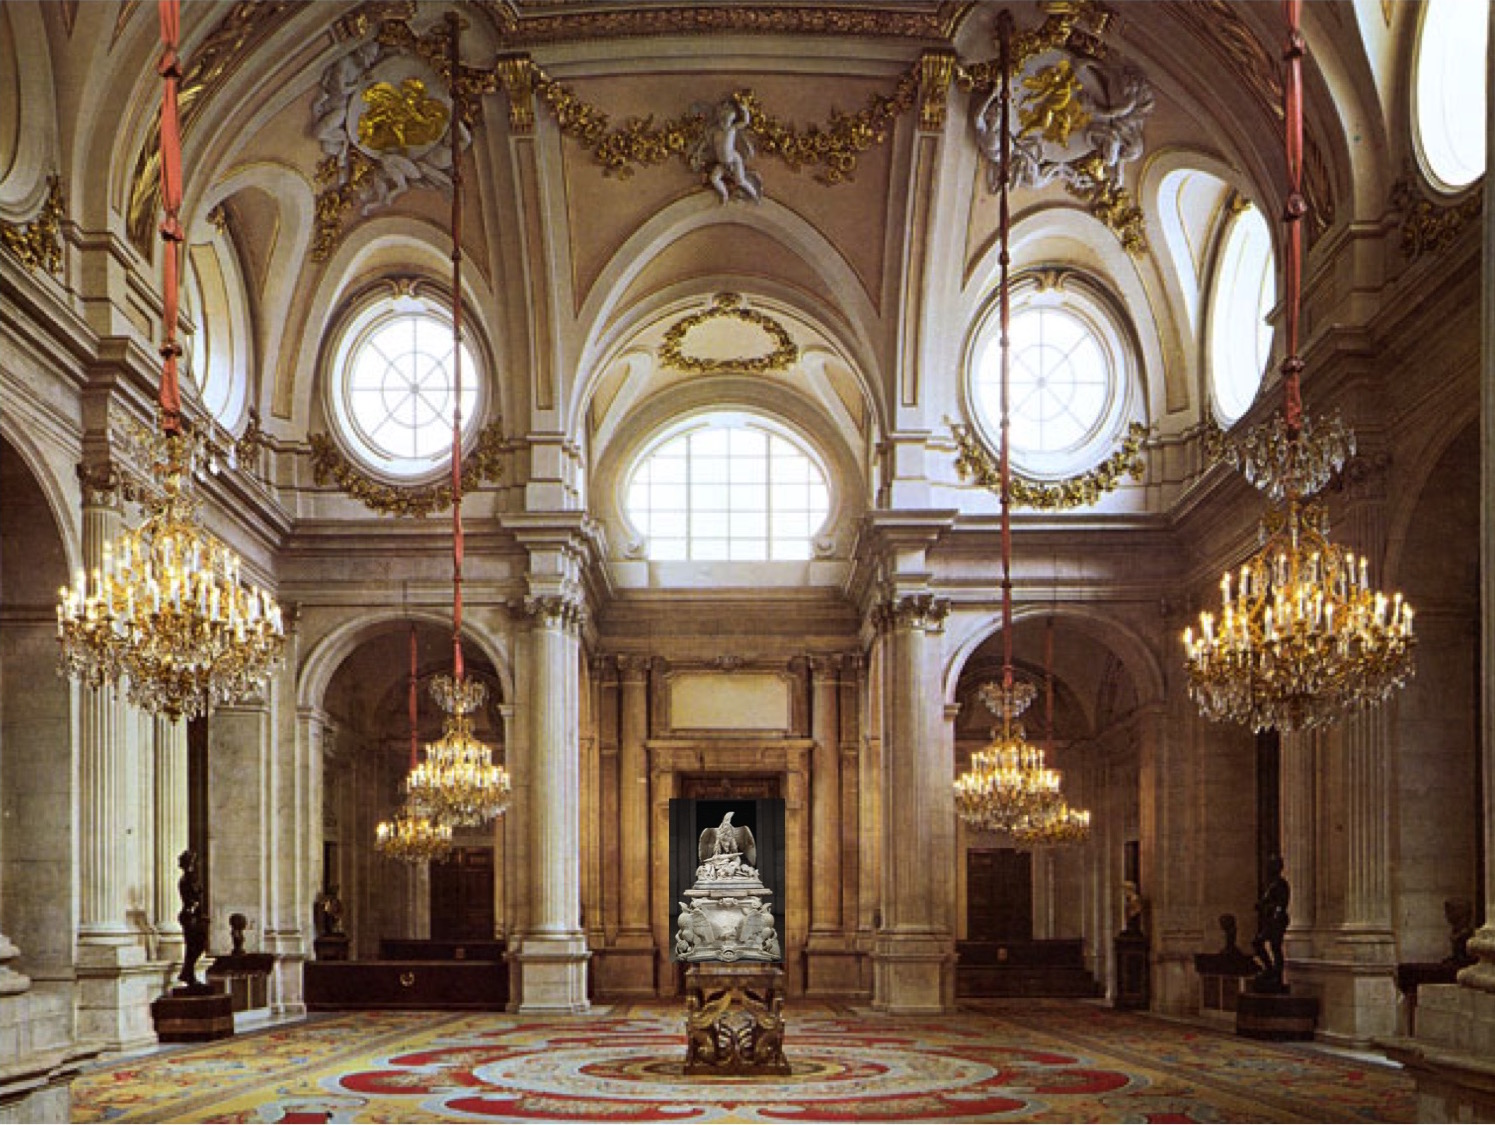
{"x":734,"y":1021}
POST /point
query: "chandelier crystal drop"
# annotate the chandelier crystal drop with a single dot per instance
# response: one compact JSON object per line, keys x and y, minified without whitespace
{"x":412,"y":837}
{"x":1301,"y":638}
{"x":1058,"y":826}
{"x":458,"y":783}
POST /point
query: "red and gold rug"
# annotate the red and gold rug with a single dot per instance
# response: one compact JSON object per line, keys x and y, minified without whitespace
{"x":1038,"y":1060}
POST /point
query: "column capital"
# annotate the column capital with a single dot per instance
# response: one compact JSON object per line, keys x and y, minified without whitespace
{"x":633,"y":667}
{"x":102,"y":484}
{"x":924,"y":612}
{"x":564,"y":611}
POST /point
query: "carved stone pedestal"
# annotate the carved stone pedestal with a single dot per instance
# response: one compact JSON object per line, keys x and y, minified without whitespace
{"x":734,"y":1021}
{"x":186,"y":1016}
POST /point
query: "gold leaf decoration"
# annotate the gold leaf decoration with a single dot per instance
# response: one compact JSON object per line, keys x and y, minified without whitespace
{"x":38,"y":244}
{"x":1429,"y":227}
{"x":975,"y":464}
{"x":401,"y":118}
{"x":484,"y":465}
{"x":725,"y":306}
{"x":640,"y":142}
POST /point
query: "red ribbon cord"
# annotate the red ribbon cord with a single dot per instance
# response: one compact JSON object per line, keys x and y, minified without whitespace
{"x":170,"y":398}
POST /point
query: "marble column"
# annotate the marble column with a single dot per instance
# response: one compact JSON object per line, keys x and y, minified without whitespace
{"x":914,"y":954}
{"x":631,"y":961}
{"x":294,"y":841}
{"x":553,"y":952}
{"x":115,"y":984}
{"x":169,"y":836}
{"x":241,"y":841}
{"x":1168,"y":814}
{"x":850,"y":811}
{"x":825,"y":798}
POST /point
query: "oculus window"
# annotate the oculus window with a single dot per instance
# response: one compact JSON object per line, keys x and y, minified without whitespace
{"x":1068,"y":379}
{"x":393,"y":385}
{"x":1449,"y":91}
{"x":1240,"y":336}
{"x":727,"y":487}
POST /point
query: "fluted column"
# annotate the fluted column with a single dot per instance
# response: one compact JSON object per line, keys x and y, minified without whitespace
{"x":825,"y":796}
{"x":633,"y":798}
{"x":914,"y":953}
{"x":553,"y":954}
{"x":169,"y":833}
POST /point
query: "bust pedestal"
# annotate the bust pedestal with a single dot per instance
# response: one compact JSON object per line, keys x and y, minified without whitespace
{"x":331,"y":947}
{"x":1276,"y":1015}
{"x":734,"y":1021}
{"x":193,"y":1015}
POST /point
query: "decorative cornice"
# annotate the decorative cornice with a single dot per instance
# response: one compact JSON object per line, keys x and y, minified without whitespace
{"x":213,"y":62}
{"x":725,"y":306}
{"x":925,"y":612}
{"x":567,"y":611}
{"x":976,"y":465}
{"x":1427,"y":226}
{"x":38,"y":243}
{"x":484,"y":465}
{"x":756,"y":19}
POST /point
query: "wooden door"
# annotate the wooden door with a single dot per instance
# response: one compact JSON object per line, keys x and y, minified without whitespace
{"x":999,"y":895}
{"x":462,"y":896}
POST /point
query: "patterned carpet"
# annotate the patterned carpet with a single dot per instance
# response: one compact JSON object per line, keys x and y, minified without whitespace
{"x":1036,"y":1060}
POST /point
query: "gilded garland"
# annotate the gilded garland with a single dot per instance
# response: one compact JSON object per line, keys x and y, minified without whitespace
{"x":726,"y":306}
{"x":975,"y":464}
{"x":483,"y":464}
{"x":1426,"y":226}
{"x":38,"y":244}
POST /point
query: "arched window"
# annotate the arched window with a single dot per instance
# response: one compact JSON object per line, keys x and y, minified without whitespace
{"x":1068,"y":383}
{"x":392,"y":384}
{"x":727,"y":487}
{"x":1449,"y":96}
{"x":1242,"y":296}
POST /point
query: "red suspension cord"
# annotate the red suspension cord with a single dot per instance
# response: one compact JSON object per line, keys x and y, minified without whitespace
{"x":1004,"y":95}
{"x":1293,"y":212}
{"x":414,"y":711}
{"x":170,"y":397}
{"x":455,"y":23}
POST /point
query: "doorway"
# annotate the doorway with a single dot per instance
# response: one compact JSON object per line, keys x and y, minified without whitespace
{"x":999,"y":895}
{"x":462,"y":896}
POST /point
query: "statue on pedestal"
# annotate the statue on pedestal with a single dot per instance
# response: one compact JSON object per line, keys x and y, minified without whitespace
{"x":194,"y":921}
{"x":1271,"y":928}
{"x":728,"y":917}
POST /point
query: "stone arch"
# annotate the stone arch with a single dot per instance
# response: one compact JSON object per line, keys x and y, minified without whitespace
{"x":338,"y":643}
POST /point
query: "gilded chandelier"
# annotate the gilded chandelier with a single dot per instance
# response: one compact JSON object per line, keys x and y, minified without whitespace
{"x":458,"y":783}
{"x":1302,"y":637}
{"x":167,"y":610}
{"x":1008,"y":787}
{"x":412,"y":837}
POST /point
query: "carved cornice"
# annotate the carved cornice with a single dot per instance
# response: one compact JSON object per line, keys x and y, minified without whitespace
{"x":925,"y":612}
{"x":484,"y":465}
{"x":756,"y":19}
{"x":213,"y":62}
{"x":1428,"y":227}
{"x":975,"y":464}
{"x":727,"y":306}
{"x":566,"y":612}
{"x":38,"y":244}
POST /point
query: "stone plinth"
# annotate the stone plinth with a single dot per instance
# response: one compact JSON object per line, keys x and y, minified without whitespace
{"x":734,"y":1021}
{"x":727,"y":919}
{"x":1276,"y":1015}
{"x":183,"y":1017}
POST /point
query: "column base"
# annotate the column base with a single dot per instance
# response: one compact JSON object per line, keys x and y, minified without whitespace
{"x":913,"y":974}
{"x":552,"y":975}
{"x":115,"y":987}
{"x":1357,"y":1001}
{"x":1450,"y":1057}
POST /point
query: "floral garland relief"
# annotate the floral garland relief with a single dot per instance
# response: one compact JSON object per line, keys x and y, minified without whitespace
{"x":974,"y":463}
{"x":483,"y":465}
{"x":725,"y":306}
{"x":38,"y":243}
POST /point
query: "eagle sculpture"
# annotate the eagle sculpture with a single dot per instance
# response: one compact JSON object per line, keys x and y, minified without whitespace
{"x":728,"y":839}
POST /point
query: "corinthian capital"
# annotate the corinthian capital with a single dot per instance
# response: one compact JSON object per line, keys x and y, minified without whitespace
{"x":557,"y":611}
{"x":926,"y":612}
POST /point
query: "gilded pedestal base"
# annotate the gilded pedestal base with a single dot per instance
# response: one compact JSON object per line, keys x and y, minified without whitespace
{"x":734,"y":1021}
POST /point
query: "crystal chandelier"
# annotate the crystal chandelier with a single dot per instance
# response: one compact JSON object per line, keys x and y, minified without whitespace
{"x":1058,"y":826}
{"x":458,"y":782}
{"x":1302,"y":637}
{"x":1007,"y":785}
{"x":412,"y":836}
{"x":168,"y":611}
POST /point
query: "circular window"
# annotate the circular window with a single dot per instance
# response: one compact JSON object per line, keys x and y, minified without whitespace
{"x":1449,"y":91}
{"x":1240,"y":336}
{"x":727,"y":487}
{"x":1067,"y":390}
{"x":395,"y":383}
